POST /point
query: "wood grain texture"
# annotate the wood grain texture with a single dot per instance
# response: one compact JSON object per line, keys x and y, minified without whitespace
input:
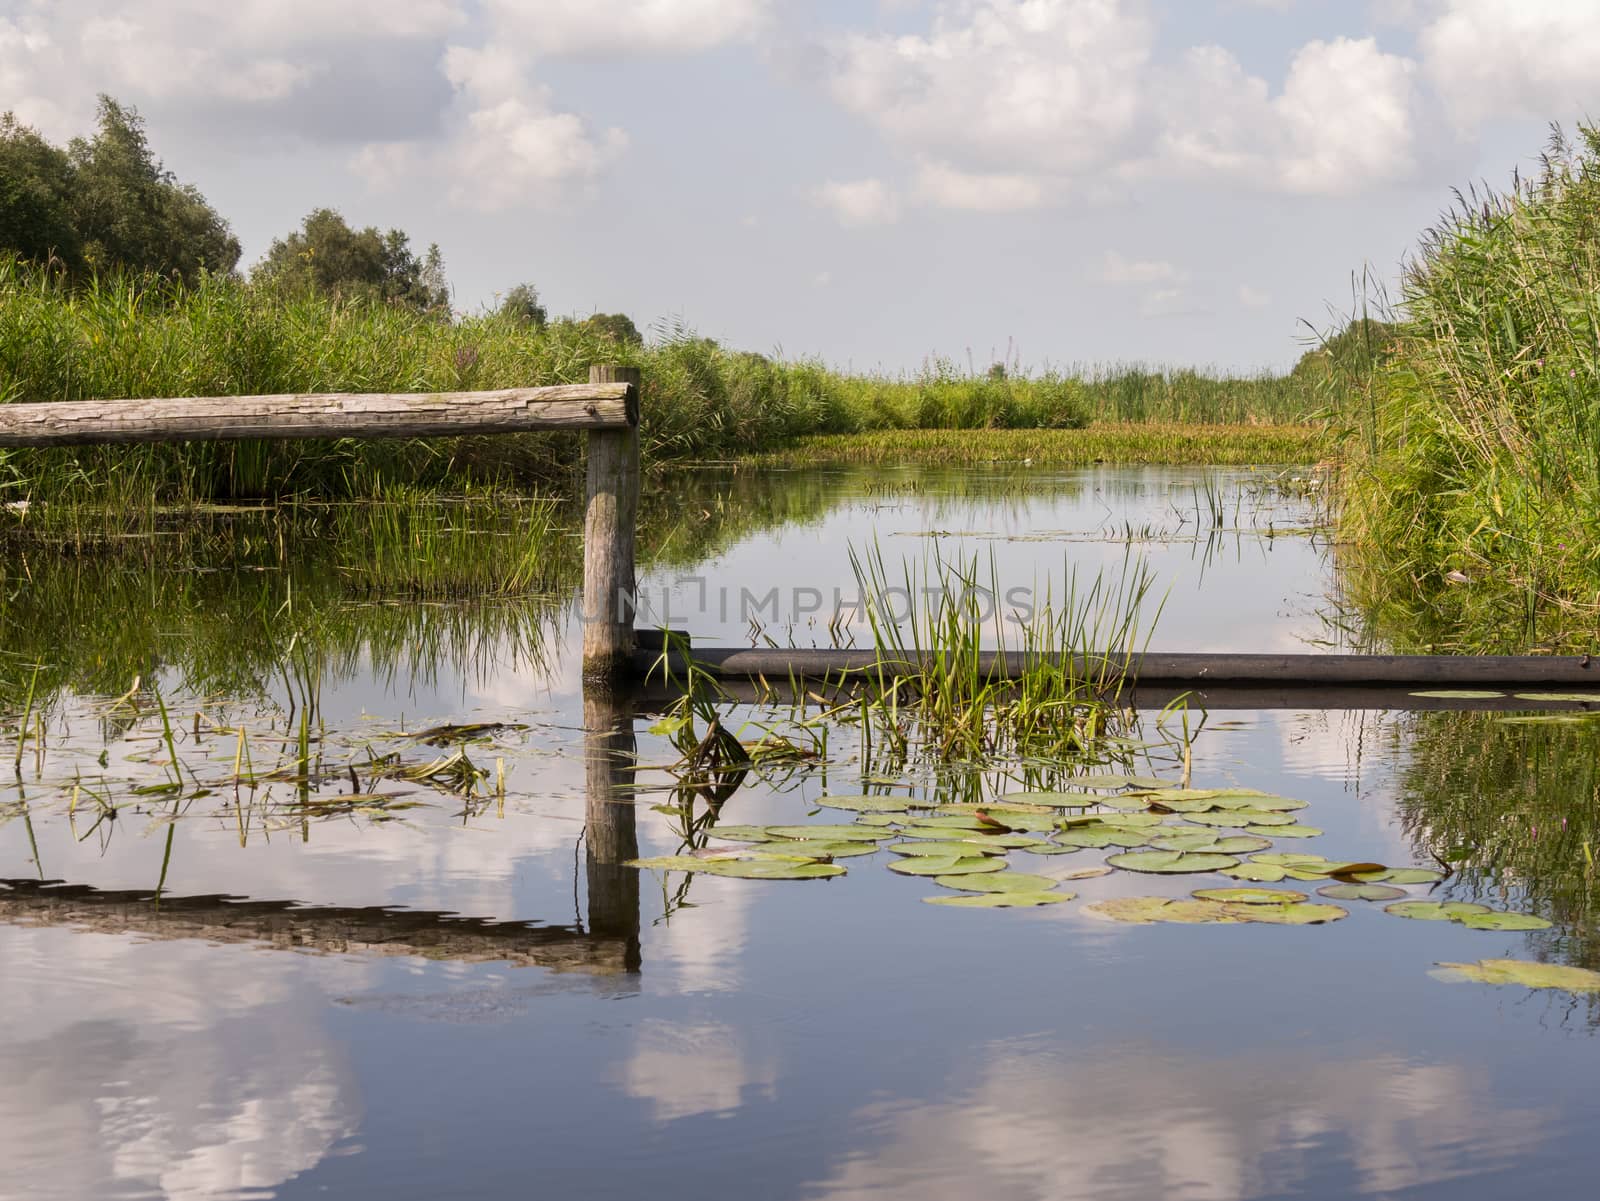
{"x":610,"y":516}
{"x":595,"y":406}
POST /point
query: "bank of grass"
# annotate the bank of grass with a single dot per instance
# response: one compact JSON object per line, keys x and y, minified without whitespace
{"x":121,"y":337}
{"x":1471,"y":489}
{"x":1156,"y":442}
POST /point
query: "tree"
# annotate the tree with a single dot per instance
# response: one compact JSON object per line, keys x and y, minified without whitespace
{"x":35,"y":197}
{"x":106,"y":203}
{"x":617,"y":326}
{"x":326,"y":255}
{"x":131,"y":212}
{"x":522,"y":304}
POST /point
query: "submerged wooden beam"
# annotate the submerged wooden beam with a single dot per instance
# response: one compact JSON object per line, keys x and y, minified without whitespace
{"x":1192,"y":670}
{"x":593,"y":406}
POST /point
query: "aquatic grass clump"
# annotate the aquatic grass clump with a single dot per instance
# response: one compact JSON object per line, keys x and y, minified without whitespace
{"x":943,"y":633}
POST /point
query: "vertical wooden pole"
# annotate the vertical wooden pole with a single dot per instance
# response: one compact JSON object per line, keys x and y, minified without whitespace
{"x":610,"y":835}
{"x":608,"y":541}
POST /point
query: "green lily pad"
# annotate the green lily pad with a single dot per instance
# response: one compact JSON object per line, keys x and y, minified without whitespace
{"x":1049,"y":848}
{"x":820,"y":833}
{"x":996,"y":808}
{"x":1167,"y":795}
{"x":1401,"y":875}
{"x":741,"y":833}
{"x":1292,"y":831}
{"x":1435,"y":911}
{"x":1114,"y":781}
{"x":1198,"y":840}
{"x":1249,"y":896}
{"x":1504,"y":921}
{"x":1003,"y":900}
{"x":1102,"y":837}
{"x":1460,"y":694}
{"x":1287,"y":858}
{"x":867,"y":804}
{"x":879,"y":819}
{"x":1546,"y":719}
{"x":1171,"y":862}
{"x":1239,"y":818}
{"x":1056,"y":800}
{"x":1121,"y":821}
{"x":997,"y":882}
{"x":1528,"y":975}
{"x":1588,"y":698}
{"x":1308,"y":914}
{"x":814,"y":848}
{"x":1260,"y":873}
{"x":1133,"y":802}
{"x":950,"y":822}
{"x":742,"y":869}
{"x":1086,"y":873}
{"x":939,"y":850}
{"x":1258,"y":800}
{"x":1143,"y":911}
{"x":1361,"y":892}
{"x":953,"y":866}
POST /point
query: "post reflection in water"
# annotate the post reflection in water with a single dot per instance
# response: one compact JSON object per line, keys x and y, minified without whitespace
{"x":610,"y":835}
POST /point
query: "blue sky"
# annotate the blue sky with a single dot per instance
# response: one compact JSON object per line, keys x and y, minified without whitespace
{"x":1182,"y":182}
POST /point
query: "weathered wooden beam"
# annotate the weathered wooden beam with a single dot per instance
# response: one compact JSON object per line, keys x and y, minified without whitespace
{"x":601,"y":405}
{"x":610,"y":516}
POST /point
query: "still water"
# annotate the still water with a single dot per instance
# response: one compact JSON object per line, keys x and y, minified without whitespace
{"x":460,"y":998}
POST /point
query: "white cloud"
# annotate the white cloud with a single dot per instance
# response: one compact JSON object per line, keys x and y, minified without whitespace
{"x":1347,"y":116}
{"x":1253,"y":298}
{"x":859,"y":202}
{"x":985,"y":192}
{"x":1490,"y":58}
{"x":1119,"y":270}
{"x":606,"y":28}
{"x":1051,"y":83}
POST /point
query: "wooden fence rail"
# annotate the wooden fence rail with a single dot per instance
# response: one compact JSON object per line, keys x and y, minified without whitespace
{"x":607,"y":408}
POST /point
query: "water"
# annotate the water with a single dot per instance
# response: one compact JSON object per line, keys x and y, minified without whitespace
{"x":587,"y":1030}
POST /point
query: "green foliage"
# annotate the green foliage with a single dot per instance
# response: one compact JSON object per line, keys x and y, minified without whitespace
{"x":1472,"y":490}
{"x":325,"y":256}
{"x":106,"y":203}
{"x":522,"y":304}
{"x":617,"y":327}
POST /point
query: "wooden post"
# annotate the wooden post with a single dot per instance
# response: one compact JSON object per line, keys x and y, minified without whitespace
{"x":608,"y":541}
{"x":610,"y":834}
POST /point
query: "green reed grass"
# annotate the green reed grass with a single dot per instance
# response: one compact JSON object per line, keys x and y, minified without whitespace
{"x":1471,"y":489}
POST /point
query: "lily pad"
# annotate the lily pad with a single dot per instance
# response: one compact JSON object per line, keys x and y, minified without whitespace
{"x":1143,"y":911}
{"x":1239,"y":818}
{"x":1528,"y":975}
{"x":953,"y":866}
{"x":743,"y":869}
{"x":1504,"y":921}
{"x":1308,"y":914}
{"x":1056,"y":800}
{"x":1261,"y":873}
{"x":1250,"y":896}
{"x":1049,"y":848}
{"x":1085,"y":873}
{"x":1171,"y":862}
{"x":867,"y":804}
{"x":1460,"y":694}
{"x":741,"y":833}
{"x":1196,"y":840}
{"x":996,"y":809}
{"x":1402,"y":875}
{"x":1361,"y":892}
{"x":1435,"y":911}
{"x":814,"y":848}
{"x":1588,"y":698}
{"x":851,"y":833}
{"x":1292,"y":831}
{"x":1003,"y":900}
{"x":1258,"y":800}
{"x":950,"y":822}
{"x":879,"y":819}
{"x":997,"y":882}
{"x":1114,"y":781}
{"x":938,"y":850}
{"x":1287,"y":858}
{"x":1102,"y":837}
{"x":1004,"y":842}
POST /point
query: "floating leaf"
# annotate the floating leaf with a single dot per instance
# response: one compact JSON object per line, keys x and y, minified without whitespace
{"x":816,"y":848}
{"x":1085,"y":873}
{"x":1005,"y":842}
{"x":953,"y":866}
{"x":850,"y":833}
{"x":741,"y":833}
{"x":1545,"y":719}
{"x":671,"y":863}
{"x":1249,"y":896}
{"x":1102,"y":837}
{"x":1435,"y":911}
{"x":1171,"y":862}
{"x":1460,"y":694}
{"x":1308,"y":914}
{"x":1239,"y":818}
{"x":867,"y":804}
{"x":969,"y":809}
{"x":950,"y":822}
{"x":1294,"y":831}
{"x":1587,"y":698}
{"x":1113,"y":781}
{"x":1402,"y":875}
{"x":1287,"y":858}
{"x":1198,"y":840}
{"x":1335,"y":867}
{"x":1003,"y":900}
{"x":742,"y":869}
{"x":1049,"y":848}
{"x":1504,"y":921}
{"x":1261,"y":873}
{"x":1361,"y":892}
{"x":1056,"y":800}
{"x":1528,"y":975}
{"x":1146,"y":910}
{"x":997,"y":882}
{"x":878,"y":819}
{"x":939,"y":850}
{"x":1257,"y":800}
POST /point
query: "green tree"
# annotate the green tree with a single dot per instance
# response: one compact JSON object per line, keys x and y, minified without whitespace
{"x":35,"y":197}
{"x":131,"y":212}
{"x":328,"y":256}
{"x":522,"y":304}
{"x":617,"y":326}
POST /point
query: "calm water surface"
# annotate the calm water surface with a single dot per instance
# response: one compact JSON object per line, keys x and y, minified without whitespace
{"x":583,"y":1030}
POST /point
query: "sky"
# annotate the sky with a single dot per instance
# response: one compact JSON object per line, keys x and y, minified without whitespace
{"x":1056,"y":182}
